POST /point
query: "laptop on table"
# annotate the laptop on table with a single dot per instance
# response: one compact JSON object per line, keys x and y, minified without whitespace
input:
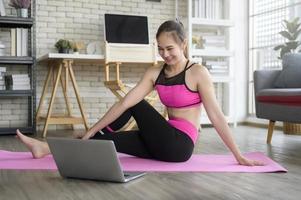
{"x":89,"y":159}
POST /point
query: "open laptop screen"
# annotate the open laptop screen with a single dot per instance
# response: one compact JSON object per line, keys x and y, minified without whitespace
{"x":126,"y":29}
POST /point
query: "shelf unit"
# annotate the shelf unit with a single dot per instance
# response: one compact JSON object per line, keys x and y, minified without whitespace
{"x":210,"y":18}
{"x":27,"y":62}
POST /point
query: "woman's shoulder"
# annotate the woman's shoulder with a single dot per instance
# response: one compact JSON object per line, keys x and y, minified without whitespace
{"x":153,"y":72}
{"x":198,"y":70}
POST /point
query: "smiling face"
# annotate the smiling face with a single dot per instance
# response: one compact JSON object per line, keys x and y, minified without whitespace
{"x":170,"y":50}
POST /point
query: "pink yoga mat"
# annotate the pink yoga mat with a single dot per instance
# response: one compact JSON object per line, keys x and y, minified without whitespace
{"x":197,"y":163}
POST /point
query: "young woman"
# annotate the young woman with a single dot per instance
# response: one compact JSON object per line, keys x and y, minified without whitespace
{"x":182,"y":87}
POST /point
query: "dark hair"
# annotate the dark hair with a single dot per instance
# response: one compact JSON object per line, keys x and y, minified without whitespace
{"x":176,"y":29}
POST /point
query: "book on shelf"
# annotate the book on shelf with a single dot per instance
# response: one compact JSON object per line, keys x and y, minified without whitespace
{"x":216,"y":66}
{"x":18,"y":87}
{"x":18,"y":41}
{"x":13,"y":42}
{"x":17,"y":82}
{"x":2,"y":69}
{"x":2,"y":8}
{"x":2,"y":82}
{"x":218,"y":71}
{"x":2,"y":48}
{"x":197,"y":59}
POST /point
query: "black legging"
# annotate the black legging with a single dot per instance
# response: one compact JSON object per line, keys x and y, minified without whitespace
{"x":156,"y":138}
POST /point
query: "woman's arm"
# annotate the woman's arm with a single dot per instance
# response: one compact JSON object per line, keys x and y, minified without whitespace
{"x":134,"y":96}
{"x":216,"y":116}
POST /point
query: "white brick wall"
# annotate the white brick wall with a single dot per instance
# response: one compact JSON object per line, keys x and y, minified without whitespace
{"x":82,"y":20}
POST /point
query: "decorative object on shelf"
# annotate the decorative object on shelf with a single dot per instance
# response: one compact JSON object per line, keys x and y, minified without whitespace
{"x":63,"y":45}
{"x":77,"y":46}
{"x":197,"y":42}
{"x":291,"y":33}
{"x":21,"y":6}
{"x":2,"y":8}
{"x":94,"y":48}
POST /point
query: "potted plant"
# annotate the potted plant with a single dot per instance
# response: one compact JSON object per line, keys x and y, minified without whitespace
{"x":292,"y":45}
{"x":291,"y":34}
{"x":21,"y":6}
{"x":63,"y":45}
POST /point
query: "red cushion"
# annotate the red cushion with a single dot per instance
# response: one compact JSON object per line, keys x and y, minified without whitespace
{"x":285,"y":100}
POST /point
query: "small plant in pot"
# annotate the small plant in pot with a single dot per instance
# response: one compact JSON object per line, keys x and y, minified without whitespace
{"x":21,"y":6}
{"x":63,"y":45}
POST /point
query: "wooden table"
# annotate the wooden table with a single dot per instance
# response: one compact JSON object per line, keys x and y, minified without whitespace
{"x":57,"y":63}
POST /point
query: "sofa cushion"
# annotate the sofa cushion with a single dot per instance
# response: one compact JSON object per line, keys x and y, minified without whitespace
{"x":290,"y":97}
{"x":291,"y":72}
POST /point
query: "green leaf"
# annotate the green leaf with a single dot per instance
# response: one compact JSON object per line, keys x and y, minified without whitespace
{"x":284,"y":51}
{"x":276,"y":48}
{"x":286,"y":34}
{"x":290,"y":27}
{"x":296,"y":34}
{"x":295,"y":20}
{"x":292,"y":44}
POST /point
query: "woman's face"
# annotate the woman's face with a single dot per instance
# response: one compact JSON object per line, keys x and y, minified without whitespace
{"x":169,"y":49}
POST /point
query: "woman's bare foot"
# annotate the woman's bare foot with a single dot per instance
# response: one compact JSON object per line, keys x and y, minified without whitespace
{"x":38,"y":149}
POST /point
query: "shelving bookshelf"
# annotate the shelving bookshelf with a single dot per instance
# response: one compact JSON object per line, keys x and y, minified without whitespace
{"x":24,"y":64}
{"x":209,"y":42}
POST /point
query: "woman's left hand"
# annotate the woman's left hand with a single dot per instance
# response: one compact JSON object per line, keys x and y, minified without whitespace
{"x":245,"y":161}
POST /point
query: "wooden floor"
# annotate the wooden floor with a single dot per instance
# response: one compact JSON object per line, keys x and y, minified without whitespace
{"x":285,"y":149}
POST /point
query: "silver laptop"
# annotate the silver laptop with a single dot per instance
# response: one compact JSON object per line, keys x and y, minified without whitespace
{"x":89,"y":159}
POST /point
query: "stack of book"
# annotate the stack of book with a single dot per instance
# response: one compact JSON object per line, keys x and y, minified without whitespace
{"x":211,"y":9}
{"x":19,"y":42}
{"x":217,"y":67}
{"x":2,"y":48}
{"x":214,"y":42}
{"x":17,"y":82}
{"x":2,"y":82}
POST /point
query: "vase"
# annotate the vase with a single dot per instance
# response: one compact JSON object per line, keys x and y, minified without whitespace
{"x":22,"y":12}
{"x":63,"y":50}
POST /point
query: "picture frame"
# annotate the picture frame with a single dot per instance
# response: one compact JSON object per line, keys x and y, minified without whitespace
{"x":2,"y":8}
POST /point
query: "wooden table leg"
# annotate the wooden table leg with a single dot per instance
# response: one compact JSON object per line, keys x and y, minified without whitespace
{"x":59,"y":70}
{"x":65,"y":91}
{"x":77,"y":94}
{"x":45,"y":87}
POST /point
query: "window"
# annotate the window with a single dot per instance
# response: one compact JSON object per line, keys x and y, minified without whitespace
{"x":265,"y":23}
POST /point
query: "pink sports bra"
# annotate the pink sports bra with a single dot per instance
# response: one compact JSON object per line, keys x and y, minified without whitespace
{"x":173,"y":91}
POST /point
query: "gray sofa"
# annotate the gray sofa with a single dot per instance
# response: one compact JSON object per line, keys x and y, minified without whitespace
{"x":278,"y":93}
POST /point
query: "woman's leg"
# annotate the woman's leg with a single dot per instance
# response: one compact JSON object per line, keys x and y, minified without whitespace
{"x":38,"y":148}
{"x":118,"y":123}
{"x":161,"y":140}
{"x":128,"y":142}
